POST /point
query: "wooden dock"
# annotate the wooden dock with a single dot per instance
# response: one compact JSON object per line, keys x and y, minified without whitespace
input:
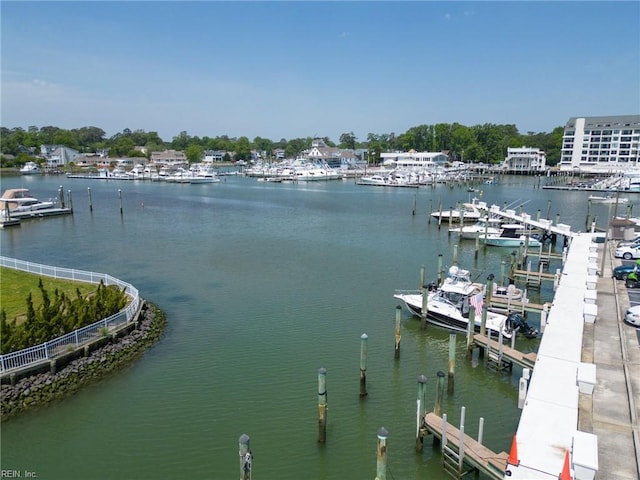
{"x":474,"y":454}
{"x":503,"y":353}
{"x":504,"y":305}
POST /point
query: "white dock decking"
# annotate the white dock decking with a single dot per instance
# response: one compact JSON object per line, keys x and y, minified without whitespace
{"x":548,"y":426}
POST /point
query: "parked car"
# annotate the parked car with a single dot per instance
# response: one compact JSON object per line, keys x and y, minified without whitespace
{"x":628,"y":253}
{"x":621,"y":272}
{"x":628,"y":243}
{"x":633,"y":316}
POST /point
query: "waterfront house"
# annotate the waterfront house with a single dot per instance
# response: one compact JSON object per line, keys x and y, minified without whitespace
{"x":524,"y":160}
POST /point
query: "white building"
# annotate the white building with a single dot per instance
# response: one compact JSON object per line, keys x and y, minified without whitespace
{"x":601,"y":144}
{"x":413,"y":159}
{"x":525,"y":159}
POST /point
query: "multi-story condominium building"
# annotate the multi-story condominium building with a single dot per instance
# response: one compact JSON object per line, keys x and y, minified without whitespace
{"x":525,"y":160}
{"x":601,"y":144}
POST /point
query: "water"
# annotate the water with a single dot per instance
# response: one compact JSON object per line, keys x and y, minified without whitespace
{"x":262,"y":285}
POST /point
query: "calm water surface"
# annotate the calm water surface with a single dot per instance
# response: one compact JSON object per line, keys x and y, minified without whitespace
{"x":262,"y":285}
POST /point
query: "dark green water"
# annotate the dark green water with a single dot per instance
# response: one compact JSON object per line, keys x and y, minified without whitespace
{"x":262,"y":285}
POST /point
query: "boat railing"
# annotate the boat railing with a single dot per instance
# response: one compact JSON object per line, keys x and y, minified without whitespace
{"x":49,"y":350}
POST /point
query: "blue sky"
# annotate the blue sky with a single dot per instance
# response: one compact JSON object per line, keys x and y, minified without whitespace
{"x":300,"y":69}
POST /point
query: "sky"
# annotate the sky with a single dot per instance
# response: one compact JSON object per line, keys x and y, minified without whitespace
{"x":297,"y":69}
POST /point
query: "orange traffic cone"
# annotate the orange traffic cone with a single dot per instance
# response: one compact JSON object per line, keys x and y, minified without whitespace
{"x":566,"y":470}
{"x":513,"y":455}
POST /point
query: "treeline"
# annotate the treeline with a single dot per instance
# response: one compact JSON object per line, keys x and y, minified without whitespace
{"x":486,"y":143}
{"x":58,"y":315}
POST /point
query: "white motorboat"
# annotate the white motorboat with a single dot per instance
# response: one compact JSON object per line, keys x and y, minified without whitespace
{"x":483,"y":227}
{"x":19,"y":202}
{"x":607,"y":199}
{"x":449,"y":305}
{"x":203,"y":174}
{"x":469,"y":211}
{"x":511,"y":235}
{"x":30,"y":168}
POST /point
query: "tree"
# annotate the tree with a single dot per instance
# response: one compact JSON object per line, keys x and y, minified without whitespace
{"x":242,"y":149}
{"x":194,"y":153}
{"x":122,"y":146}
{"x":348,"y":140}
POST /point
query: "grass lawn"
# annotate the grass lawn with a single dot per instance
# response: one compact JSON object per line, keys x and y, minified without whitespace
{"x":15,"y":286}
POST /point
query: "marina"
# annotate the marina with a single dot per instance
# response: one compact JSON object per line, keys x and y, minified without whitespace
{"x":279,"y":280}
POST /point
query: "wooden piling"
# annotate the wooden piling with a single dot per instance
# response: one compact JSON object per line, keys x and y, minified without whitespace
{"x":455,"y":254}
{"x":70,"y":199}
{"x":322,"y":405}
{"x":420,"y":411}
{"x":90,"y":201}
{"x":246,"y":457}
{"x":430,"y":211}
{"x":381,"y":464}
{"x":425,"y":306}
{"x":439,"y":269}
{"x":61,"y":196}
{"x":437,"y":407}
{"x":470,"y":331}
{"x":487,"y":302}
{"x":396,"y":353}
{"x":452,"y":362}
{"x":120,"y":197}
{"x":422,"y":281}
{"x":363,"y":365}
{"x":415,"y":197}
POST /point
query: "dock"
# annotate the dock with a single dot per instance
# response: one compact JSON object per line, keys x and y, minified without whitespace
{"x":500,"y":353}
{"x":472,"y":454}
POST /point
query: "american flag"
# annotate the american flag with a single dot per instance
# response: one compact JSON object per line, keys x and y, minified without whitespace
{"x":477,"y":301}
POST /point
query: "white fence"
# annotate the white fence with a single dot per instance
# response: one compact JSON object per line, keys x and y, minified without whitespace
{"x":49,"y":350}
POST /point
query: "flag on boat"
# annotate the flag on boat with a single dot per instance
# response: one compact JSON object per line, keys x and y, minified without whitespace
{"x":477,"y":301}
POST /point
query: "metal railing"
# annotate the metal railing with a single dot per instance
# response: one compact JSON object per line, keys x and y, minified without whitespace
{"x":15,"y":361}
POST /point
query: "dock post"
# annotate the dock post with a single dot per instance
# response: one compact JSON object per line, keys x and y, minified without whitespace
{"x":420,"y":411}
{"x":396,"y":353}
{"x":477,"y":246}
{"x":246,"y":457}
{"x":90,"y":202}
{"x":587,"y":221}
{"x":452,"y":362}
{"x":548,"y":208}
{"x":450,"y":217}
{"x":439,"y":214}
{"x":455,"y":254}
{"x":425,"y":307}
{"x":522,"y":392}
{"x":322,"y":405}
{"x":470,"y":331}
{"x":502,"y":266}
{"x":556,"y":279}
{"x":437,"y":407}
{"x":439,"y":269}
{"x":413,"y":211}
{"x":543,"y":317}
{"x":480,"y":430}
{"x":538,"y":216}
{"x":430,"y":211}
{"x":520,"y":255}
{"x":120,"y":197}
{"x":557,"y":218}
{"x":61,"y":196}
{"x":381,"y":464}
{"x":421,"y":276}
{"x":70,"y":198}
{"x":461,"y":441}
{"x":363,"y":364}
{"x":486,"y":303}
